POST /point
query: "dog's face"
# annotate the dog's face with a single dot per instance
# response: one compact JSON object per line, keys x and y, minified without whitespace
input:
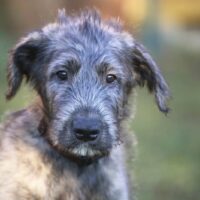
{"x":84,"y":70}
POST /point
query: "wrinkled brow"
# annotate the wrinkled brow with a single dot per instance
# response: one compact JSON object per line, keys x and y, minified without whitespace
{"x":108,"y":68}
{"x":65,"y":62}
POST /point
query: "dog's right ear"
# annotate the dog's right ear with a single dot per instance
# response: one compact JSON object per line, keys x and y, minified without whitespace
{"x":21,"y":59}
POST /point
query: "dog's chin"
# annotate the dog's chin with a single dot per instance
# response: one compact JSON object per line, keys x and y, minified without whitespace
{"x":85,"y":159}
{"x":82,"y":155}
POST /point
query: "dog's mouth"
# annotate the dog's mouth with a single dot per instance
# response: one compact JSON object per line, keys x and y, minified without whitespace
{"x":87,"y":158}
{"x":83,"y":153}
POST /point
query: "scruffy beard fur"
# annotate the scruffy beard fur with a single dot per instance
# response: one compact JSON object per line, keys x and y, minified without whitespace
{"x":80,"y":152}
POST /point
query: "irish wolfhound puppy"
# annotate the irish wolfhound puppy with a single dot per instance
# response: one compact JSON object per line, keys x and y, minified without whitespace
{"x":67,"y":145}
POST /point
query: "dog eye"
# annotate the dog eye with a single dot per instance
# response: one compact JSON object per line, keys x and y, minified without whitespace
{"x":110,"y":78}
{"x":62,"y":75}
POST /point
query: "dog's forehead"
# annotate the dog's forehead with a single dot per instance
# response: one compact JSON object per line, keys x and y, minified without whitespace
{"x":88,"y":41}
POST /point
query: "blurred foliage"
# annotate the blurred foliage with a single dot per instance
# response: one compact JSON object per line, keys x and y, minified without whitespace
{"x":168,"y":152}
{"x":183,"y":12}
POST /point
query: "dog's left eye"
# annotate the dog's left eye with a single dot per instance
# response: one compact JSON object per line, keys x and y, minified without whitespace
{"x":62,"y":75}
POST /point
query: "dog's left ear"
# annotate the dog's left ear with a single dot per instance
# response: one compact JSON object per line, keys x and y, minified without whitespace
{"x":148,"y":73}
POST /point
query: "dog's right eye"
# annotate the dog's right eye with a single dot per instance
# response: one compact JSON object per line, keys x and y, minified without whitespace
{"x":62,"y":75}
{"x":110,"y":78}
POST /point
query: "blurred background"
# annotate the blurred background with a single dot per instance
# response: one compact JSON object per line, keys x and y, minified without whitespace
{"x":167,"y":157}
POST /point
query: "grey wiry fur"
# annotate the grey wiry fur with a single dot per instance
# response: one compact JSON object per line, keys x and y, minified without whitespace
{"x":40,"y":158}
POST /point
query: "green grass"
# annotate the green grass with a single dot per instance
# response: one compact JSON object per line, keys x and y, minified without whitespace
{"x":168,"y":152}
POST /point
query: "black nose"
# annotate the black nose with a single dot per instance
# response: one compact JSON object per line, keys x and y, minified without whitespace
{"x":86,"y":129}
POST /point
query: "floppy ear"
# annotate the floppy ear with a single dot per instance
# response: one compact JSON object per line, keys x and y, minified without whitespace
{"x":21,"y":59}
{"x":148,"y":73}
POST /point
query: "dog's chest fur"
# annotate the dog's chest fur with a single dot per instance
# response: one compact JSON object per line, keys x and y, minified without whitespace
{"x":31,"y":169}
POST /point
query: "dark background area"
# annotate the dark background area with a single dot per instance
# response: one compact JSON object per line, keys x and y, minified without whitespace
{"x":167,"y":158}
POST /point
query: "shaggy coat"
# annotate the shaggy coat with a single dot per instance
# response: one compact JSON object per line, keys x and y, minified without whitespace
{"x":83,"y":69}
